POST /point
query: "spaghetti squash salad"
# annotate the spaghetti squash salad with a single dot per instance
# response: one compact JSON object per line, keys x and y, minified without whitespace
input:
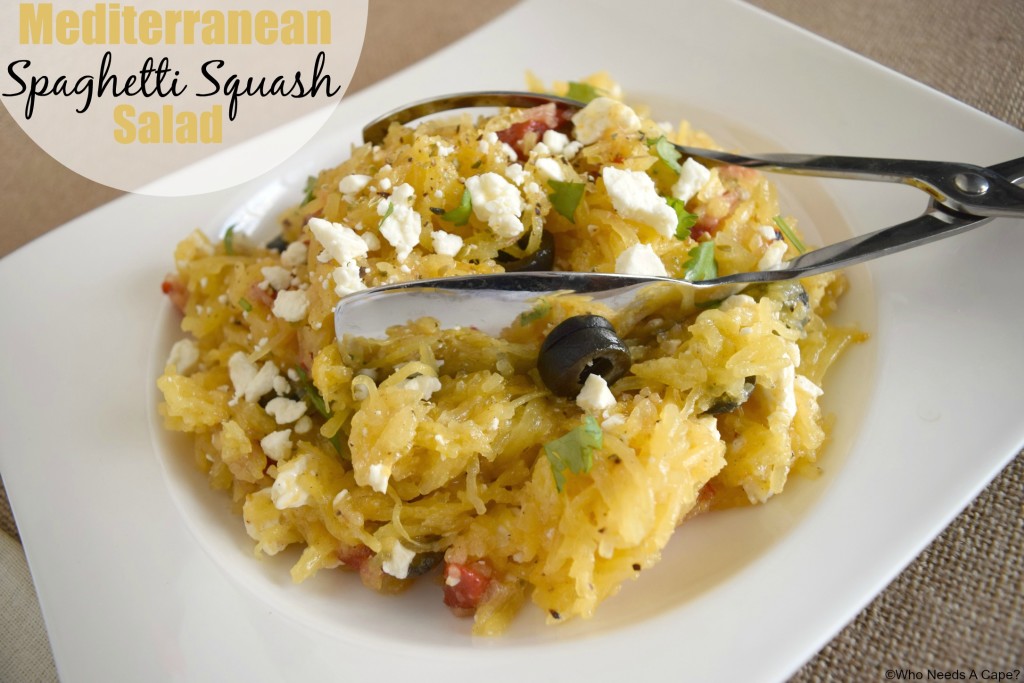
{"x":440,"y":451}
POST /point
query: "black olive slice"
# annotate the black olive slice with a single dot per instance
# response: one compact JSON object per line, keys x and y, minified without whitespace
{"x":542,"y":259}
{"x":577,"y":347}
{"x":424,"y":562}
{"x":278,"y":244}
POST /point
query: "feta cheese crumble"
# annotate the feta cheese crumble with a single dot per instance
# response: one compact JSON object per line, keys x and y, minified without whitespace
{"x":555,"y":141}
{"x":397,"y":562}
{"x":635,"y":197}
{"x":692,"y":178}
{"x":550,"y":169}
{"x":496,"y":202}
{"x":424,"y":384}
{"x":640,"y":259}
{"x":277,"y":445}
{"x":294,"y":254}
{"x":291,"y":305}
{"x":353,"y":184}
{"x":379,"y":475}
{"x":262,"y":382}
{"x":402,"y":227}
{"x":446,"y":243}
{"x":595,"y":396}
{"x":275,"y":276}
{"x":340,"y":242}
{"x":285,"y":410}
{"x":184,"y":356}
{"x":602,"y":115}
{"x":286,"y":491}
{"x":773,"y":256}
{"x":347,"y":279}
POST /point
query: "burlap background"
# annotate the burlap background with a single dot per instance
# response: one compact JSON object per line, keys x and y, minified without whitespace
{"x":960,"y":605}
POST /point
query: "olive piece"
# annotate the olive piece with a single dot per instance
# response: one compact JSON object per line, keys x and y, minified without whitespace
{"x":424,"y":562}
{"x":278,"y":244}
{"x":796,"y":306}
{"x":578,"y":347}
{"x":726,"y":403}
{"x":542,"y":259}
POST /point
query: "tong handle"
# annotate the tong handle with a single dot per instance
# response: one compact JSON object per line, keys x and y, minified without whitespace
{"x":963,"y":188}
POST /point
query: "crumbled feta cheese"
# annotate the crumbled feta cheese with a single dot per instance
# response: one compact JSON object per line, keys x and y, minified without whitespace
{"x":277,"y":445}
{"x":767,"y":233}
{"x":424,"y":384}
{"x":262,"y":382}
{"x":286,"y":491}
{"x":613,"y":422}
{"x":550,"y":169}
{"x":571,"y":150}
{"x":346,"y":279}
{"x":291,"y":305}
{"x":281,"y":386}
{"x":384,"y":184}
{"x":515,"y":173}
{"x":303,"y":425}
{"x":773,"y":255}
{"x":446,"y":243}
{"x":491,"y":137}
{"x":184,"y":356}
{"x":595,"y":396}
{"x":555,"y":141}
{"x":379,"y":475}
{"x":737,"y":301}
{"x":496,"y":202}
{"x":293,"y":375}
{"x":241,"y":370}
{"x":635,"y":197}
{"x":510,"y":153}
{"x":340,"y":242}
{"x":540,"y":150}
{"x":444,"y":149}
{"x":692,"y":177}
{"x":640,"y":259}
{"x":285,"y":410}
{"x":452,"y":575}
{"x":360,"y":392}
{"x":397,"y":562}
{"x":277,"y":277}
{"x":402,"y":228}
{"x":351,"y":184}
{"x":338,"y":498}
{"x":531,"y":188}
{"x":294,"y":254}
{"x":372,"y":241}
{"x":601,"y":115}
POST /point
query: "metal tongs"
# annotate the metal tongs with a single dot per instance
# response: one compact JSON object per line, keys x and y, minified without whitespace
{"x":961,"y":197}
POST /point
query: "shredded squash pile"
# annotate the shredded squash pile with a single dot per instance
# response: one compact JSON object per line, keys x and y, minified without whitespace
{"x":440,"y":452}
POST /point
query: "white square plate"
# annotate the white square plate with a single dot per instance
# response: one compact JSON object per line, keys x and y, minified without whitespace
{"x":145,"y":574}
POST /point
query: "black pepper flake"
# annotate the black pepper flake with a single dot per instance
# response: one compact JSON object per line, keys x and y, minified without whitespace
{"x":554,"y":614}
{"x":636,"y":567}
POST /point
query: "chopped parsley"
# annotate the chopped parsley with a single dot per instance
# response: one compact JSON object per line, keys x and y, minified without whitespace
{"x":684,"y":219}
{"x":229,"y":241}
{"x":245,"y":305}
{"x":566,"y":197}
{"x":575,"y":450}
{"x":310,"y":187}
{"x":460,"y":214}
{"x":309,"y":392}
{"x":667,"y":152}
{"x":583,"y":92}
{"x":790,"y":235}
{"x":391,"y":210}
{"x":535,"y":313}
{"x":701,"y":264}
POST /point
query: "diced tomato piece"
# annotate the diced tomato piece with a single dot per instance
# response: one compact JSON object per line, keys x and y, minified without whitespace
{"x":355,"y":558}
{"x":465,"y":585}
{"x":704,"y":228}
{"x":538,"y":120}
{"x":175,"y":290}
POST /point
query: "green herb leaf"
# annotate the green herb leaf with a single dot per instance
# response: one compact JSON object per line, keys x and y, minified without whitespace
{"x":566,"y":197}
{"x":535,"y":313}
{"x":667,"y":152}
{"x":460,"y":214}
{"x":574,"y":451}
{"x":684,"y":219}
{"x":244,"y":303}
{"x":310,"y":187}
{"x":790,"y":235}
{"x":229,"y":241}
{"x":309,"y":392}
{"x":391,"y":210}
{"x":701,"y":264}
{"x":584,"y":92}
